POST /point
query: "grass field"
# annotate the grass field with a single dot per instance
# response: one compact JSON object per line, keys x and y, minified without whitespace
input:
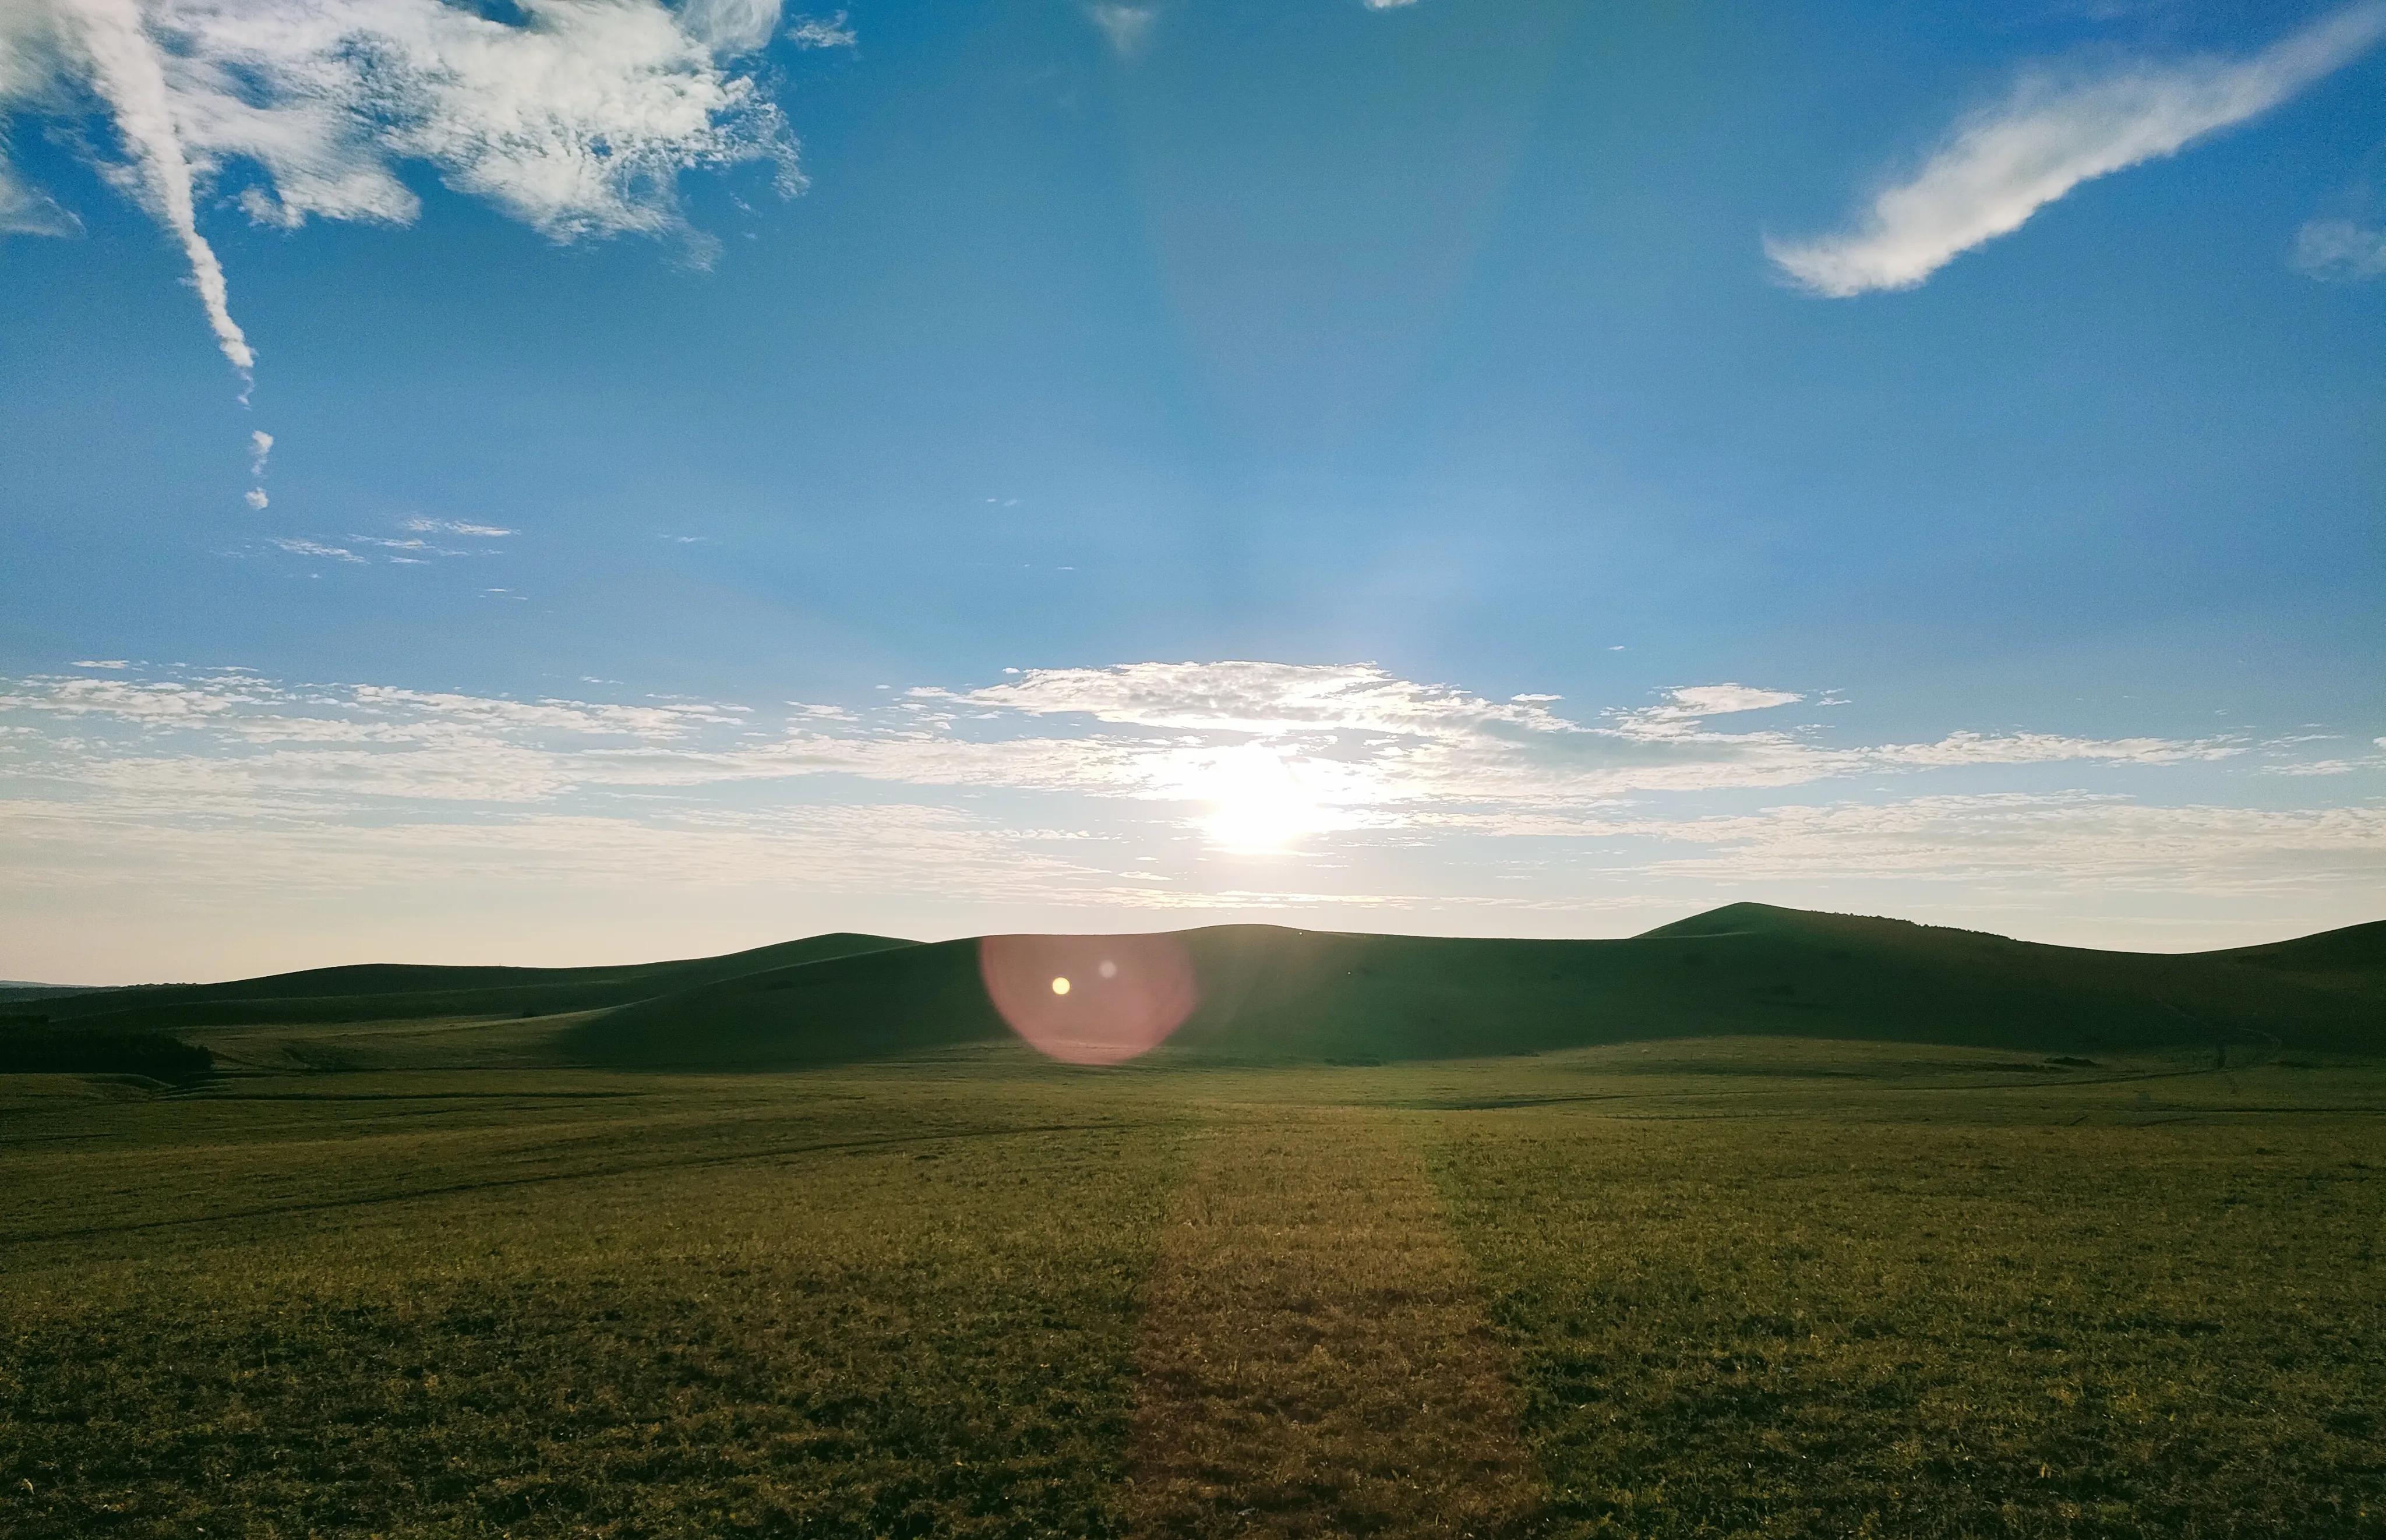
{"x":1706,"y":1287}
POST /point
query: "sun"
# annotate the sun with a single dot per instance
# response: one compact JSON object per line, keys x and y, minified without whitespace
{"x":1258,"y":803}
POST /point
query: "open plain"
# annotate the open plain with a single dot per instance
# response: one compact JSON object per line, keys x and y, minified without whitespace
{"x":405,"y":1277}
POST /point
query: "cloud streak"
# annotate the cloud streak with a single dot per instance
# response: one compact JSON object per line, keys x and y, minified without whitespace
{"x":127,"y":71}
{"x":577,"y":118}
{"x":1999,"y":166}
{"x":1365,"y":748}
{"x":821,"y":32}
{"x":1127,"y":28}
{"x":261,"y":448}
{"x":1137,"y":786}
{"x":457,"y":527}
{"x":301,"y":547}
{"x":2341,"y":251}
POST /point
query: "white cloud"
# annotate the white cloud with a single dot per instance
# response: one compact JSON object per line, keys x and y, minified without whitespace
{"x":27,"y":210}
{"x":298,"y":547}
{"x":2046,"y":748}
{"x":1352,"y":745}
{"x":1127,"y":27}
{"x":420,"y":547}
{"x":1152,"y":777}
{"x":1706,"y":700}
{"x":816,"y":31}
{"x":451,"y":526}
{"x":1358,"y":737}
{"x":1239,"y":696}
{"x":410,"y":550}
{"x":103,"y":663}
{"x":260,"y":445}
{"x":109,"y":43}
{"x":730,"y":27}
{"x":2341,"y":250}
{"x":2001,"y":166}
{"x":1688,"y":704}
{"x":577,"y":118}
{"x":2011,"y":838}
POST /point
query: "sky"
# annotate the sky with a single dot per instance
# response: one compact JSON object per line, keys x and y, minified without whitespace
{"x":578,"y":480}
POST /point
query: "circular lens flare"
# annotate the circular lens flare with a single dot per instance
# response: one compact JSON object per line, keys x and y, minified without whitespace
{"x":1089,"y":999}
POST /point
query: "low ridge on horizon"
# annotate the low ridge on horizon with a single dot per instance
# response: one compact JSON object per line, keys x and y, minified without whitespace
{"x":1262,"y":992}
{"x":1701,"y":922}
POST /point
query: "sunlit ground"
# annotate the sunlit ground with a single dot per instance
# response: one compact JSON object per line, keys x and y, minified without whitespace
{"x":1679,"y":1290}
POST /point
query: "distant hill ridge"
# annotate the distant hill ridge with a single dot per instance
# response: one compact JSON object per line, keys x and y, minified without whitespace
{"x":1273,"y":994}
{"x":389,"y":991}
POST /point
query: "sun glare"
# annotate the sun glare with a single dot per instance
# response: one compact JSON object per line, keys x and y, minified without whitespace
{"x":1257,"y":802}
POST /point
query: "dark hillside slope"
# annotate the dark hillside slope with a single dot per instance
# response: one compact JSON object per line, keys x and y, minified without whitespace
{"x":391,"y":992}
{"x":2347,"y":958}
{"x":16,"y":990}
{"x":1274,"y":995}
{"x":870,"y":1006}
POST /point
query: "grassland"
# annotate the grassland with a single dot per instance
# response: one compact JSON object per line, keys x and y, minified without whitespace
{"x":1268,"y":994}
{"x":1732,"y":1287}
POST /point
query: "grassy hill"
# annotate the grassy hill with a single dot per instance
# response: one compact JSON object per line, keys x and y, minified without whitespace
{"x":15,"y":990}
{"x":397,"y":992}
{"x":1274,"y":995}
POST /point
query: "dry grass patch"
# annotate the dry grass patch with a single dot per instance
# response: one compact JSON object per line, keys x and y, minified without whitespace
{"x":1315,"y":1360}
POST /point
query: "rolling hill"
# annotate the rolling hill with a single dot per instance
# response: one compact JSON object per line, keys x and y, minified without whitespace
{"x":1269,"y":994}
{"x":1260,"y":994}
{"x":395,"y":992}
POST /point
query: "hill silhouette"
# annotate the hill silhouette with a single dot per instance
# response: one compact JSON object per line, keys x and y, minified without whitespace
{"x":1270,"y":994}
{"x":394,"y":991}
{"x":1267,"y":993}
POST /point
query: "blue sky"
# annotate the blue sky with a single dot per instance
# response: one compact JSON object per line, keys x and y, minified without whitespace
{"x":1457,"y":465}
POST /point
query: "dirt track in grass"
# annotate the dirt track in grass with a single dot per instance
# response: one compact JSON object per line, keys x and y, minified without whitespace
{"x":1314,"y":1357}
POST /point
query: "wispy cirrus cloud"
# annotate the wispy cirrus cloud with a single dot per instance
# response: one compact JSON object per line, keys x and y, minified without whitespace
{"x":1365,"y":747}
{"x":1125,"y":26}
{"x":822,"y":31}
{"x":298,"y":547}
{"x":2069,"y":837}
{"x":27,"y":210}
{"x":2343,"y":251}
{"x":260,"y":449}
{"x":575,"y":118}
{"x":458,"y":527}
{"x":2000,"y":165}
{"x":1687,"y":705}
{"x":413,"y":549}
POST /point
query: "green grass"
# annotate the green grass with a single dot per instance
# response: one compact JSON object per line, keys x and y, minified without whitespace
{"x":1941,"y":1317}
{"x":486,"y":1307}
{"x":1746,"y":1286}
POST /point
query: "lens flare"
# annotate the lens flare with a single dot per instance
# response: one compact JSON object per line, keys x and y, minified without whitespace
{"x":1089,"y":999}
